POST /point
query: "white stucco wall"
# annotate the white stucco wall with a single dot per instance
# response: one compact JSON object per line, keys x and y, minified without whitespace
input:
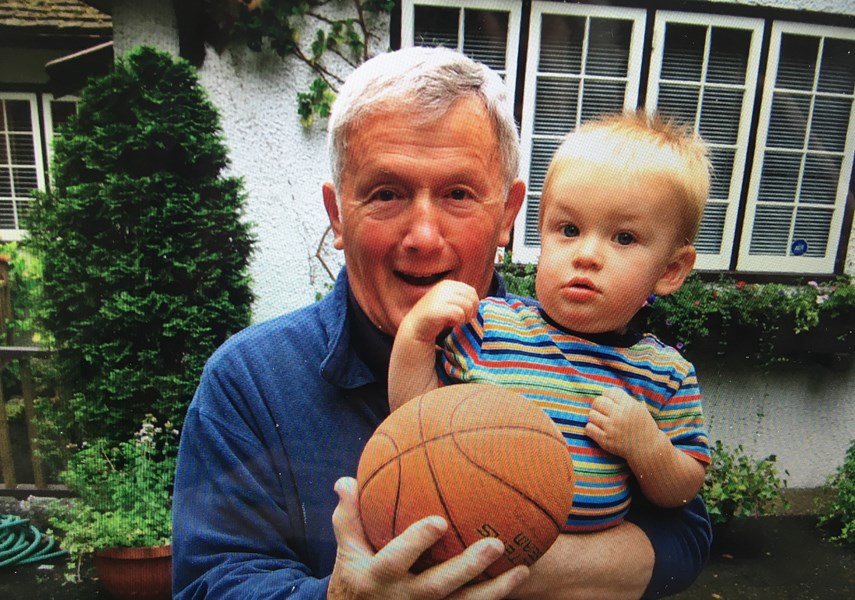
{"x":283,"y":165}
{"x":829,"y":6}
{"x":802,"y":413}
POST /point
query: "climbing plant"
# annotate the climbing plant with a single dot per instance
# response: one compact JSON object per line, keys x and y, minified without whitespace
{"x":316,"y":33}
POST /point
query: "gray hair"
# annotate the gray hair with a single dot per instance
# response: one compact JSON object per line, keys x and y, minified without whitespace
{"x":425,"y":81}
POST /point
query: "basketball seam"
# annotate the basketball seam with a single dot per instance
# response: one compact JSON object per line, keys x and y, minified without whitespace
{"x":451,"y":524}
{"x":507,"y":484}
{"x":451,"y":434}
{"x":494,"y":475}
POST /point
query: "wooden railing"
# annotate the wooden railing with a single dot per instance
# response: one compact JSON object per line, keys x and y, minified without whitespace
{"x":22,"y":355}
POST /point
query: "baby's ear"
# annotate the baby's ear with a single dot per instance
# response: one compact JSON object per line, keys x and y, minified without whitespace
{"x":677,"y":270}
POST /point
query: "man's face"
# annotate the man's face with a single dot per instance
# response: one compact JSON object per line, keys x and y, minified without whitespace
{"x":418,"y":204}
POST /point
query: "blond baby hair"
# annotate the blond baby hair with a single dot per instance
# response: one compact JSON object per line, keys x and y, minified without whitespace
{"x":639,"y":144}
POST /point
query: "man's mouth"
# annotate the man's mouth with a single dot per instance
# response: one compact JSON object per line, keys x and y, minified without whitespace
{"x":421,"y":280}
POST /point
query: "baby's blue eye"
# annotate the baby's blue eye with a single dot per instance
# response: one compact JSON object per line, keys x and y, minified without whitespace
{"x":624,"y":238}
{"x":570,"y":231}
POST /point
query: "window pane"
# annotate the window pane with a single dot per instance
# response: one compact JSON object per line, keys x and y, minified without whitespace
{"x":728,"y":59}
{"x":61,"y":112}
{"x":541,"y":154}
{"x":679,"y":102}
{"x":797,"y":62}
{"x":7,"y":214}
{"x":435,"y":26}
{"x":23,"y":151}
{"x":531,"y":234}
{"x":819,"y":184}
{"x":812,"y":226}
{"x":607,"y":48}
{"x":771,"y":230}
{"x":837,"y":73}
{"x":720,"y":113}
{"x":721,"y":160}
{"x":18,"y":116}
{"x":788,"y":121}
{"x":5,"y":181}
{"x":24,"y":180}
{"x":485,"y":37}
{"x":828,"y":125}
{"x":601,"y":98}
{"x":561,"y":40}
{"x":779,"y":177}
{"x":712,"y":229}
{"x":683,"y":56}
{"x":556,"y":103}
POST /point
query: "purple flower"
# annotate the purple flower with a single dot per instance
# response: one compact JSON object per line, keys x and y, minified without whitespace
{"x":651,"y":298}
{"x":680,"y":346}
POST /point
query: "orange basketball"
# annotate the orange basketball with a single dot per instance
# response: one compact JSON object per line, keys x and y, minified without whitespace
{"x":483,"y":457}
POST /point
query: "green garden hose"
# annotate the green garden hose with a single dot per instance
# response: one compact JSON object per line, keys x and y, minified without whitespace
{"x":22,"y":543}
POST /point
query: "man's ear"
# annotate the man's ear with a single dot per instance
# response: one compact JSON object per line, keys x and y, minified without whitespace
{"x":677,"y":270}
{"x":331,"y":204}
{"x":513,"y":203}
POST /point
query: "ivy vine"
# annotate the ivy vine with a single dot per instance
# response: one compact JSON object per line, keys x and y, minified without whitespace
{"x":281,"y":25}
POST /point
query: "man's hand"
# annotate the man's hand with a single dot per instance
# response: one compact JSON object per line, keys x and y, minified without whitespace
{"x":360,"y":573}
{"x":622,"y":425}
{"x":447,"y":304}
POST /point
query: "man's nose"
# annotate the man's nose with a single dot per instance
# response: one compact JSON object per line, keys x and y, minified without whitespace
{"x":424,"y":225}
{"x":588,"y":253}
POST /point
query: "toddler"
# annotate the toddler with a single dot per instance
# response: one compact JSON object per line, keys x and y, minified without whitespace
{"x":622,"y":202}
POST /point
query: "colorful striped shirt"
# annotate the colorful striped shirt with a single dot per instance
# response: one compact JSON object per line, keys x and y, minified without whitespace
{"x":515,"y":345}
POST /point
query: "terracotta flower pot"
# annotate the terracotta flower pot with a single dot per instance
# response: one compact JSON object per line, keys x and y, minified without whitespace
{"x":136,"y":573}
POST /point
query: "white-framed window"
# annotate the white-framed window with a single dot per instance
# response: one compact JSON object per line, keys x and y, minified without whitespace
{"x":582,"y":61}
{"x":781,"y":140}
{"x":804,"y":151}
{"x":703,"y":72}
{"x":484,"y":30}
{"x":21,"y":164}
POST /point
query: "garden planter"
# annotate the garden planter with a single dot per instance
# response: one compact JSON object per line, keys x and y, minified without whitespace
{"x":136,"y":573}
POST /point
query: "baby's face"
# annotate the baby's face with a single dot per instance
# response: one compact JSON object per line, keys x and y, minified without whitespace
{"x":606,"y":244}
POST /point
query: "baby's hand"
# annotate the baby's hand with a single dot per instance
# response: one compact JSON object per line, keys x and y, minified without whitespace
{"x":620,"y":424}
{"x":447,"y":304}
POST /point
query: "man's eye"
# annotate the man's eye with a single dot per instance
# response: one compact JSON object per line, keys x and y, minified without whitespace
{"x":570,"y":231}
{"x":624,"y":238}
{"x":459,"y":194}
{"x":384,"y":195}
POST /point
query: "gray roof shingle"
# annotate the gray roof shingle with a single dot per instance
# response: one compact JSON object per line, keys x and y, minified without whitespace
{"x":58,"y":15}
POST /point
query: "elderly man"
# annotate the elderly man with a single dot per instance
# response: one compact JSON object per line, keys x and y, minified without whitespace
{"x":424,"y":155}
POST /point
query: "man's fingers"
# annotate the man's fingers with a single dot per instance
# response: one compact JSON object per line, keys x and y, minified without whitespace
{"x":404,"y":550}
{"x":345,"y":519}
{"x":456,"y":572}
{"x":500,"y":587}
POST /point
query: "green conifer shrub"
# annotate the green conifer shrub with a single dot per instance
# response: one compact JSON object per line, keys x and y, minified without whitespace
{"x":143,"y":244}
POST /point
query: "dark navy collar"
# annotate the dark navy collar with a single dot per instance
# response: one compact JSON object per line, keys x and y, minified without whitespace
{"x":608,"y":338}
